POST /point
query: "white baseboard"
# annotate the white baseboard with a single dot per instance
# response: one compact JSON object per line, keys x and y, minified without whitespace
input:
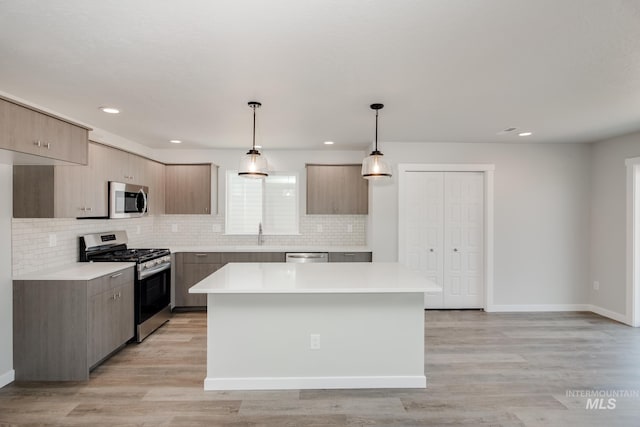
{"x":537,"y":307}
{"x":7,"y":378}
{"x":610,"y":314}
{"x":284,"y":383}
{"x":558,"y":307}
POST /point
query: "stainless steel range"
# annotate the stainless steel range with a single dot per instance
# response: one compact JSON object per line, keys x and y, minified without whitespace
{"x":152,"y":278}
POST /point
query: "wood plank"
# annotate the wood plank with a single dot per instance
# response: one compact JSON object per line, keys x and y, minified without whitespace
{"x":493,"y":379}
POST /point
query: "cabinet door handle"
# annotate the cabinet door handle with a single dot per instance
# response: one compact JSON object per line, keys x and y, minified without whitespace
{"x":88,"y":209}
{"x":201,"y":255}
{"x":47,"y":145}
{"x":113,"y":297}
{"x":431,"y":250}
{"x":349,"y":254}
{"x":119,"y":294}
{"x":455,"y":249}
{"x":37,"y":143}
{"x":113,"y":276}
{"x":83,"y":209}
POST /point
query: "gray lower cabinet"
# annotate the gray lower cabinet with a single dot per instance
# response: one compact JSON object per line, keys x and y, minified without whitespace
{"x":192,"y":267}
{"x":63,"y":328}
{"x":253,"y":257}
{"x":111,"y":320}
{"x":350,"y":256}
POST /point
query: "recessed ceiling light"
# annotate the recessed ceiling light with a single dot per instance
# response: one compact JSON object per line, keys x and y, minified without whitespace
{"x":329,"y":143}
{"x":525,"y":134}
{"x":110,"y":110}
{"x":175,"y":141}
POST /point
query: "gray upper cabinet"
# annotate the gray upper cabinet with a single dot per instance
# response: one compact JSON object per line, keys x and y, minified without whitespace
{"x":188,"y":189}
{"x":127,"y":167}
{"x":29,"y":131}
{"x":82,"y":191}
{"x":72,"y":191}
{"x":77,"y":191}
{"x":336,"y":190}
{"x":156,"y":183}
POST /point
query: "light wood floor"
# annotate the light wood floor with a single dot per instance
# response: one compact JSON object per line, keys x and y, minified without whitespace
{"x":482,"y":369}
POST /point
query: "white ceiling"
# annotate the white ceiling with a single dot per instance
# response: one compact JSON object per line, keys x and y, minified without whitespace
{"x":446,"y":70}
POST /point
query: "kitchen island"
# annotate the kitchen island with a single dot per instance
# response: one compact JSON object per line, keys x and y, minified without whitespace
{"x":312,"y":326}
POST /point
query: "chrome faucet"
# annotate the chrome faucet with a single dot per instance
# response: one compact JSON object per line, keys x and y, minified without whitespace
{"x":260,"y":236}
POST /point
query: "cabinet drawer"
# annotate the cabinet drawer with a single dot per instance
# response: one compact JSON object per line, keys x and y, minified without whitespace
{"x":349,"y":256}
{"x":202,"y":257}
{"x":253,"y":257}
{"x":110,"y":281}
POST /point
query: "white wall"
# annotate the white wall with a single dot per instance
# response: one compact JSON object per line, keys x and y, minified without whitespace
{"x":6,"y":286}
{"x":609,"y":220}
{"x":541,"y":215}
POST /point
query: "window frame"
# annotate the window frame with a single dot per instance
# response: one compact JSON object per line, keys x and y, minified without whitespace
{"x":266,"y":232}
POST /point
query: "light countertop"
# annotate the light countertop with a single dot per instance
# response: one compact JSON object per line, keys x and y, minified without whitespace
{"x":77,"y":271}
{"x":269,"y":248}
{"x":365,"y":277}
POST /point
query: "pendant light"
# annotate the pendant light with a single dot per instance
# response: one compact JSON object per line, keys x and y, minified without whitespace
{"x":253,"y":164}
{"x":374,"y":166}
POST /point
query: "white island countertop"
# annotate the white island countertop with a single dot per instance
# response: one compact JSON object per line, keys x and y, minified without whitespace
{"x":77,"y":271}
{"x":365,"y":277}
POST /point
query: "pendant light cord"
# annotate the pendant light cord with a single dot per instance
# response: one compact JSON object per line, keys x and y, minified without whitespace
{"x":376,"y":130}
{"x":254,"y":128}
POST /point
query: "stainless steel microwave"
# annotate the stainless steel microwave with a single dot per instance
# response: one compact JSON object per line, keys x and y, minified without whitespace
{"x":127,"y":200}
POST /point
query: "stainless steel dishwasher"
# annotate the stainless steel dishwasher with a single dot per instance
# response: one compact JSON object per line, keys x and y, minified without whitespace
{"x":301,"y":257}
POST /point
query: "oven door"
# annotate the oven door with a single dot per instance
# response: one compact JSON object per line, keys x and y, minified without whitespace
{"x":127,"y":200}
{"x":153,"y":295}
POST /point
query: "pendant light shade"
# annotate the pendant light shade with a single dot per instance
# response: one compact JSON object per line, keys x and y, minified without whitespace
{"x":253,"y":164}
{"x":374,"y":166}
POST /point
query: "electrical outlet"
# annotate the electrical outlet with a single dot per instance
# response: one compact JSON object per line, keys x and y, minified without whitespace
{"x":216,"y":228}
{"x":53,"y":240}
{"x":174,"y":228}
{"x":314,"y":341}
{"x":319,"y":228}
{"x":349,"y":228}
{"x":596,"y":285}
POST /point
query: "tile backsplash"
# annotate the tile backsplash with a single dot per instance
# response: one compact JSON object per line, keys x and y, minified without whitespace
{"x":40,"y":244}
{"x":33,"y":250}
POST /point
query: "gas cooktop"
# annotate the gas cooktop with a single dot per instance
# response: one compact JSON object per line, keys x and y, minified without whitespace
{"x":130,"y":255}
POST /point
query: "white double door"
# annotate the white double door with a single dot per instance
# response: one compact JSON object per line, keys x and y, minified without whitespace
{"x":442,"y":221}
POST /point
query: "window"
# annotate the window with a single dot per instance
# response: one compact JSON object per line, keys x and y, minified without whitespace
{"x":272,"y":201}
